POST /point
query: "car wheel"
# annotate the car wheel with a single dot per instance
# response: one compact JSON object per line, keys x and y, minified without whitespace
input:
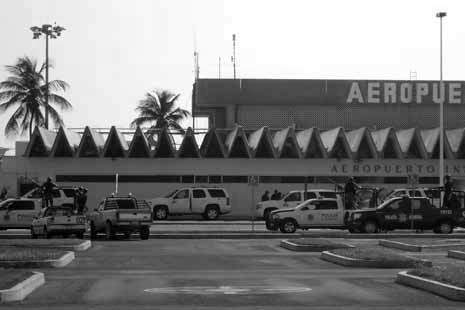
{"x":160,"y":213}
{"x":109,"y":233}
{"x":370,"y":227}
{"x":93,"y":231}
{"x":144,"y":232}
{"x":33,"y":234}
{"x":211,"y":213}
{"x":288,"y":226}
{"x":444,"y":227}
{"x":127,"y":235}
{"x":271,"y":226}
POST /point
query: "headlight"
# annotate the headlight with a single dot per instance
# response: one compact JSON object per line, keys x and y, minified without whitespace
{"x":356,"y":216}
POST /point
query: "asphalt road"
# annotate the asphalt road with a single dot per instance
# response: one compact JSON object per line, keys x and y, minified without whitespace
{"x":218,"y":274}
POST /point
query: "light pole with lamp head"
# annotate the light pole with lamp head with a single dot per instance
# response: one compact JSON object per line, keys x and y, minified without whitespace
{"x":442,"y":94}
{"x":51,"y":32}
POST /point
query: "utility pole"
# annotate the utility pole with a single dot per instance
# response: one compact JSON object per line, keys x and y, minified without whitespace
{"x":51,"y":32}
{"x":219,"y":67}
{"x":441,"y":15}
{"x":233,"y":58}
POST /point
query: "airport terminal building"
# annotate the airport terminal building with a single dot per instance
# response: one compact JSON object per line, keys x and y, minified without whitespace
{"x":263,"y":135}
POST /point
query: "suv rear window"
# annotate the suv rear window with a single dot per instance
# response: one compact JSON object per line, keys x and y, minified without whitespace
{"x":198,"y":193}
{"x":120,"y":204}
{"x":69,"y":192}
{"x":21,"y":205}
{"x":328,"y":195}
{"x":217,"y":193}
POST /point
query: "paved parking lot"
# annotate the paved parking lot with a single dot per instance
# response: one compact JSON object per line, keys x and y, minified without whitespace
{"x":215,"y":274}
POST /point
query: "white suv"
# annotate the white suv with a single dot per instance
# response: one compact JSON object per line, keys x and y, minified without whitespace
{"x":61,"y":196}
{"x":209,"y":202}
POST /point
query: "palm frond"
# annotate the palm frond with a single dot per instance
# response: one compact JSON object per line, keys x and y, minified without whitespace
{"x":55,"y":116}
{"x":60,"y":101}
{"x":16,"y":99}
{"x":57,"y":85}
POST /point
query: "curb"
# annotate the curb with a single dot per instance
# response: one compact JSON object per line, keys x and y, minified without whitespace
{"x":67,"y":258}
{"x":442,"y":289}
{"x":360,"y":263}
{"x":289,"y":245}
{"x":82,"y":246}
{"x":456,"y":254}
{"x":22,"y":289}
{"x":417,"y":248}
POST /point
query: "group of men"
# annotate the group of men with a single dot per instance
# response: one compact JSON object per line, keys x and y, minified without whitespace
{"x":275,"y":196}
{"x":80,"y":195}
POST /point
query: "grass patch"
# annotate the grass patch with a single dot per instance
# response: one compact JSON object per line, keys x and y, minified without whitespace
{"x":11,"y":277}
{"x":413,"y":241}
{"x":384,"y":257}
{"x":14,"y":253}
{"x":449,"y":274}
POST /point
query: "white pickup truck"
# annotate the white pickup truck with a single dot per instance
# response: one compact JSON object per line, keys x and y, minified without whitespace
{"x":18,"y":213}
{"x":61,"y":196}
{"x":313,"y":213}
{"x":290,"y":200}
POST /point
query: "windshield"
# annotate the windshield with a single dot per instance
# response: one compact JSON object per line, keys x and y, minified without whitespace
{"x":381,"y":206}
{"x":171,"y":194}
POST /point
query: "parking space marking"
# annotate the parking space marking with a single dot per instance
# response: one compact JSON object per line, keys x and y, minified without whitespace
{"x":228,"y":290}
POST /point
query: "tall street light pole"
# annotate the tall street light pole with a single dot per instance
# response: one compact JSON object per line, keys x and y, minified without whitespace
{"x":50,"y":32}
{"x":442,"y":95}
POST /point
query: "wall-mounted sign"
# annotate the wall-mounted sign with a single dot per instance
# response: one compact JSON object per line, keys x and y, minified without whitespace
{"x":406,"y":92}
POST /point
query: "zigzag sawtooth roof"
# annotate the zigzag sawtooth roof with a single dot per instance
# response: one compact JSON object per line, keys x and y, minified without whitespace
{"x":236,"y":143}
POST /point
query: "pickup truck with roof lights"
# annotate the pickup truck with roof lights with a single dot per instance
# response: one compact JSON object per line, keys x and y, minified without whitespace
{"x":408,"y":213}
{"x":59,"y":221}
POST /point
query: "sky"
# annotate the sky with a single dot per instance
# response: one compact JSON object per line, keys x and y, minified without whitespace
{"x":113,"y":52}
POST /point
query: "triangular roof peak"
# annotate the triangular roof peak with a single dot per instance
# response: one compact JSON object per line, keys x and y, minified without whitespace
{"x":386,"y":143}
{"x":411,"y":143}
{"x":455,"y":138}
{"x":115,"y":145}
{"x":310,"y":143}
{"x":260,"y":144}
{"x":431,"y":139}
{"x":139,"y":146}
{"x":189,"y":147}
{"x":91,"y":144}
{"x":286,"y":144}
{"x":212,"y":146}
{"x":66,"y":143}
{"x":165,"y":145}
{"x":336,"y":143}
{"x":41,"y":142}
{"x":361,"y":143}
{"x":236,"y":144}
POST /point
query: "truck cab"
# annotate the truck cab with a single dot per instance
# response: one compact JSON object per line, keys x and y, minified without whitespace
{"x":313,"y":213}
{"x":291,"y":200}
{"x":18,"y":213}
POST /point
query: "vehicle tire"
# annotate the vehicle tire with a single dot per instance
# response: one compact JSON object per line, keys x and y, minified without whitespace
{"x":370,"y":227}
{"x":211,"y":213}
{"x":144,"y":232}
{"x":47,"y":235}
{"x":271,"y":226}
{"x":33,"y":234}
{"x":160,"y":213}
{"x":288,"y":226}
{"x":93,"y":231}
{"x":444,"y":227}
{"x":127,"y":235}
{"x":109,"y":233}
{"x":353,"y":230}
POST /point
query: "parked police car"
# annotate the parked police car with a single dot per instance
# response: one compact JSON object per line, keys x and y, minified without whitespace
{"x":407,"y":213}
{"x":313,"y":213}
{"x":291,"y":200}
{"x":60,"y":220}
{"x":18,"y":213}
{"x":121,"y":214}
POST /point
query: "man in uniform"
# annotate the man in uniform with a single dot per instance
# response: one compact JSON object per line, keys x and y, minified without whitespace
{"x":266,"y":196}
{"x":447,"y":190}
{"x":350,"y":190}
{"x":47,"y":189}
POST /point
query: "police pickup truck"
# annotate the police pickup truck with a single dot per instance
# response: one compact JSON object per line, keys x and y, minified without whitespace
{"x":121,"y":214}
{"x":18,"y":213}
{"x":60,"y":220}
{"x":407,"y":213}
{"x":291,"y":200}
{"x":313,"y":213}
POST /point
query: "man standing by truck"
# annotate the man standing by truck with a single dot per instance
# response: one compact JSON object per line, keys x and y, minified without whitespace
{"x":350,"y":190}
{"x":448,"y":184}
{"x":47,"y":189}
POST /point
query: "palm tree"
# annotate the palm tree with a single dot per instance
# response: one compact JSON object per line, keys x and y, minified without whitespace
{"x":26,"y":89}
{"x":158,"y":110}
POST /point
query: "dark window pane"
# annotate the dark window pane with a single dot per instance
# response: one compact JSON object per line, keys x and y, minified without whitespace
{"x":69,"y":192}
{"x":214,"y":179}
{"x":199,"y":193}
{"x":187,"y":179}
{"x":235,"y":179}
{"x":201,"y":179}
{"x":310,"y":195}
{"x":217,"y":193}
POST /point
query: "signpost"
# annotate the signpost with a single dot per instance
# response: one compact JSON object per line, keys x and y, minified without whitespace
{"x":253,"y":182}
